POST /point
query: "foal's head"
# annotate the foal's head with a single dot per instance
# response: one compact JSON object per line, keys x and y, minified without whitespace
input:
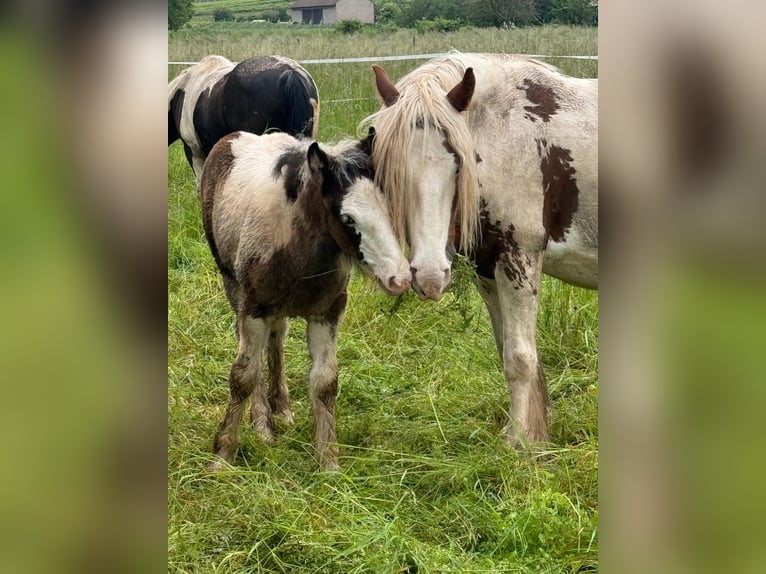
{"x":359,"y":221}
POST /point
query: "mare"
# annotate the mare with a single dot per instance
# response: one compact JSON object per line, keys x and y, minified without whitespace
{"x":285,"y":219}
{"x":215,"y":97}
{"x":495,"y":156}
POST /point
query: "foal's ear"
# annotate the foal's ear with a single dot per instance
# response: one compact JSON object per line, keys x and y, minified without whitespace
{"x":367,"y":142}
{"x":460,"y":95}
{"x":386,"y":87}
{"x":317,"y":159}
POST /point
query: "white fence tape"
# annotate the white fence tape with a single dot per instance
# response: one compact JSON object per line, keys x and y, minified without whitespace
{"x":393,"y":58}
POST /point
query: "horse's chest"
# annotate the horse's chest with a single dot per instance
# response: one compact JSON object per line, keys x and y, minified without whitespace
{"x":297,"y":283}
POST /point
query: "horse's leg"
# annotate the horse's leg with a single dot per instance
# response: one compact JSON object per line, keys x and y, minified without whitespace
{"x":323,"y":385}
{"x":488,"y":290}
{"x":279,"y":395}
{"x":245,"y":377}
{"x":518,"y":289}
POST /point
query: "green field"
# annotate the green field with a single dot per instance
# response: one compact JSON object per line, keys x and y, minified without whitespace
{"x":427,"y":484}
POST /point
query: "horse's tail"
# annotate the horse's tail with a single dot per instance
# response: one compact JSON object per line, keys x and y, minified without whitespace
{"x":175,"y":105}
{"x":300,"y":93}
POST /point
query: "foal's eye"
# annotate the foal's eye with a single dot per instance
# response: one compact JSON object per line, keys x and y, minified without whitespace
{"x":346,"y":219}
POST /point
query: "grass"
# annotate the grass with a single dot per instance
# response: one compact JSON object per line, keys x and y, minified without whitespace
{"x":427,"y":484}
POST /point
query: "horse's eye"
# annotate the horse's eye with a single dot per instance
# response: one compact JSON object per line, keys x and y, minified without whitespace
{"x":347,"y":219}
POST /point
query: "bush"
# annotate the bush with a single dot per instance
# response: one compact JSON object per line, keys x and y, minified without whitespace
{"x":223,"y":14}
{"x":438,"y":24}
{"x":349,"y":26}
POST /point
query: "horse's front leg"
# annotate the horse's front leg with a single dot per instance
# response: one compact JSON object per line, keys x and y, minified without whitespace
{"x":488,"y":290}
{"x":518,"y":293}
{"x":279,"y":394}
{"x":245,"y":378}
{"x":323,"y":382}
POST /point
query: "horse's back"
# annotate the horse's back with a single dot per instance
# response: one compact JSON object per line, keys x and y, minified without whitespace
{"x":270,"y":92}
{"x":184,"y":94}
{"x":537,"y":129}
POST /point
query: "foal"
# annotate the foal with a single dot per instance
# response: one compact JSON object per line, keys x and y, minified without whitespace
{"x":285,"y":220}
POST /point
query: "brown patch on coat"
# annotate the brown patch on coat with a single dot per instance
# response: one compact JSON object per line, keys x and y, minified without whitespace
{"x":561,"y":192}
{"x":499,"y":247}
{"x":543,"y":98}
{"x":303,"y":278}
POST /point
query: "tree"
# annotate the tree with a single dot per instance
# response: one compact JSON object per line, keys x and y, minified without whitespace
{"x":544,"y":8}
{"x":584,"y":12}
{"x":179,"y":13}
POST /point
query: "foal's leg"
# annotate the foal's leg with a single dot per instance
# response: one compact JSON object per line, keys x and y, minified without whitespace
{"x":519,"y":300}
{"x":245,"y":378}
{"x":323,"y":386}
{"x":279,"y":395}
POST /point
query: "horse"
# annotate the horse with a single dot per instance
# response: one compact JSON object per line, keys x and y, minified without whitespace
{"x":285,"y":219}
{"x":494,"y":156}
{"x":215,"y":97}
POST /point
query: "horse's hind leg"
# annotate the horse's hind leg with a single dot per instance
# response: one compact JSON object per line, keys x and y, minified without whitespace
{"x":519,"y":300}
{"x":279,"y":395}
{"x":245,"y":378}
{"x":323,"y":385}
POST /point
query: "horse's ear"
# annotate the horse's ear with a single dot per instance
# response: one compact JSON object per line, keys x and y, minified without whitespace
{"x":317,"y":159}
{"x":460,"y":95}
{"x":367,"y":142}
{"x":386,"y":88}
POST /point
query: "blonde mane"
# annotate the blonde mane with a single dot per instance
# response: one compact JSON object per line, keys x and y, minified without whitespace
{"x":423,"y":101}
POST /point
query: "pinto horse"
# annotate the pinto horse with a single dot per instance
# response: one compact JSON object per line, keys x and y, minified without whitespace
{"x":496,"y":156}
{"x":215,"y":97}
{"x":285,"y":220}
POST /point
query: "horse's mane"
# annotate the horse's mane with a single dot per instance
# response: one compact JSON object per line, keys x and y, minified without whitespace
{"x":422,"y":101}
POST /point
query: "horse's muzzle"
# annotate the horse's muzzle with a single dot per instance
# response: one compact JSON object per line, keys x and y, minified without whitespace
{"x":431,"y":285}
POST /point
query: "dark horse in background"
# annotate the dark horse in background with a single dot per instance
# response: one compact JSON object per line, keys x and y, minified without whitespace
{"x":216,"y":97}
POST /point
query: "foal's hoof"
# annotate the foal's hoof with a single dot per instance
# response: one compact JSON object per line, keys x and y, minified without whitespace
{"x":217,"y":465}
{"x":330,"y":466}
{"x":286,"y":417}
{"x":266,"y":435}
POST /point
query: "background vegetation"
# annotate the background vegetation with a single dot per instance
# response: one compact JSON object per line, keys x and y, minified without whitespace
{"x":404,"y":13}
{"x":427,"y":483}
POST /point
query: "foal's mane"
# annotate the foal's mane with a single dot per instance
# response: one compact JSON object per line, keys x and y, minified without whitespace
{"x":422,"y":101}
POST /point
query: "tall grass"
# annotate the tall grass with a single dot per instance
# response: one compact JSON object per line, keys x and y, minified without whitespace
{"x":427,"y":484}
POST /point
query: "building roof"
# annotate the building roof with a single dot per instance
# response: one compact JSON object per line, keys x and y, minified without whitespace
{"x":314,"y":3}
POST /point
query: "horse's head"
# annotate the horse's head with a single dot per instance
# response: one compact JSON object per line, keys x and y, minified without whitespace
{"x":427,"y":165}
{"x":359,"y":221}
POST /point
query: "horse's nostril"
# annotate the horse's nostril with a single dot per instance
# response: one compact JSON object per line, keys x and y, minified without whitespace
{"x":413,"y":271}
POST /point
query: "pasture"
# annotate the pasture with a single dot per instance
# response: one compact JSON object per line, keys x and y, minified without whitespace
{"x":427,"y":484}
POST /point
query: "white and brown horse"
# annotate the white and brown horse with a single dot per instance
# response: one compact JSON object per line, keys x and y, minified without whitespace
{"x":286,"y":219}
{"x":215,"y":97}
{"x":496,"y":156}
